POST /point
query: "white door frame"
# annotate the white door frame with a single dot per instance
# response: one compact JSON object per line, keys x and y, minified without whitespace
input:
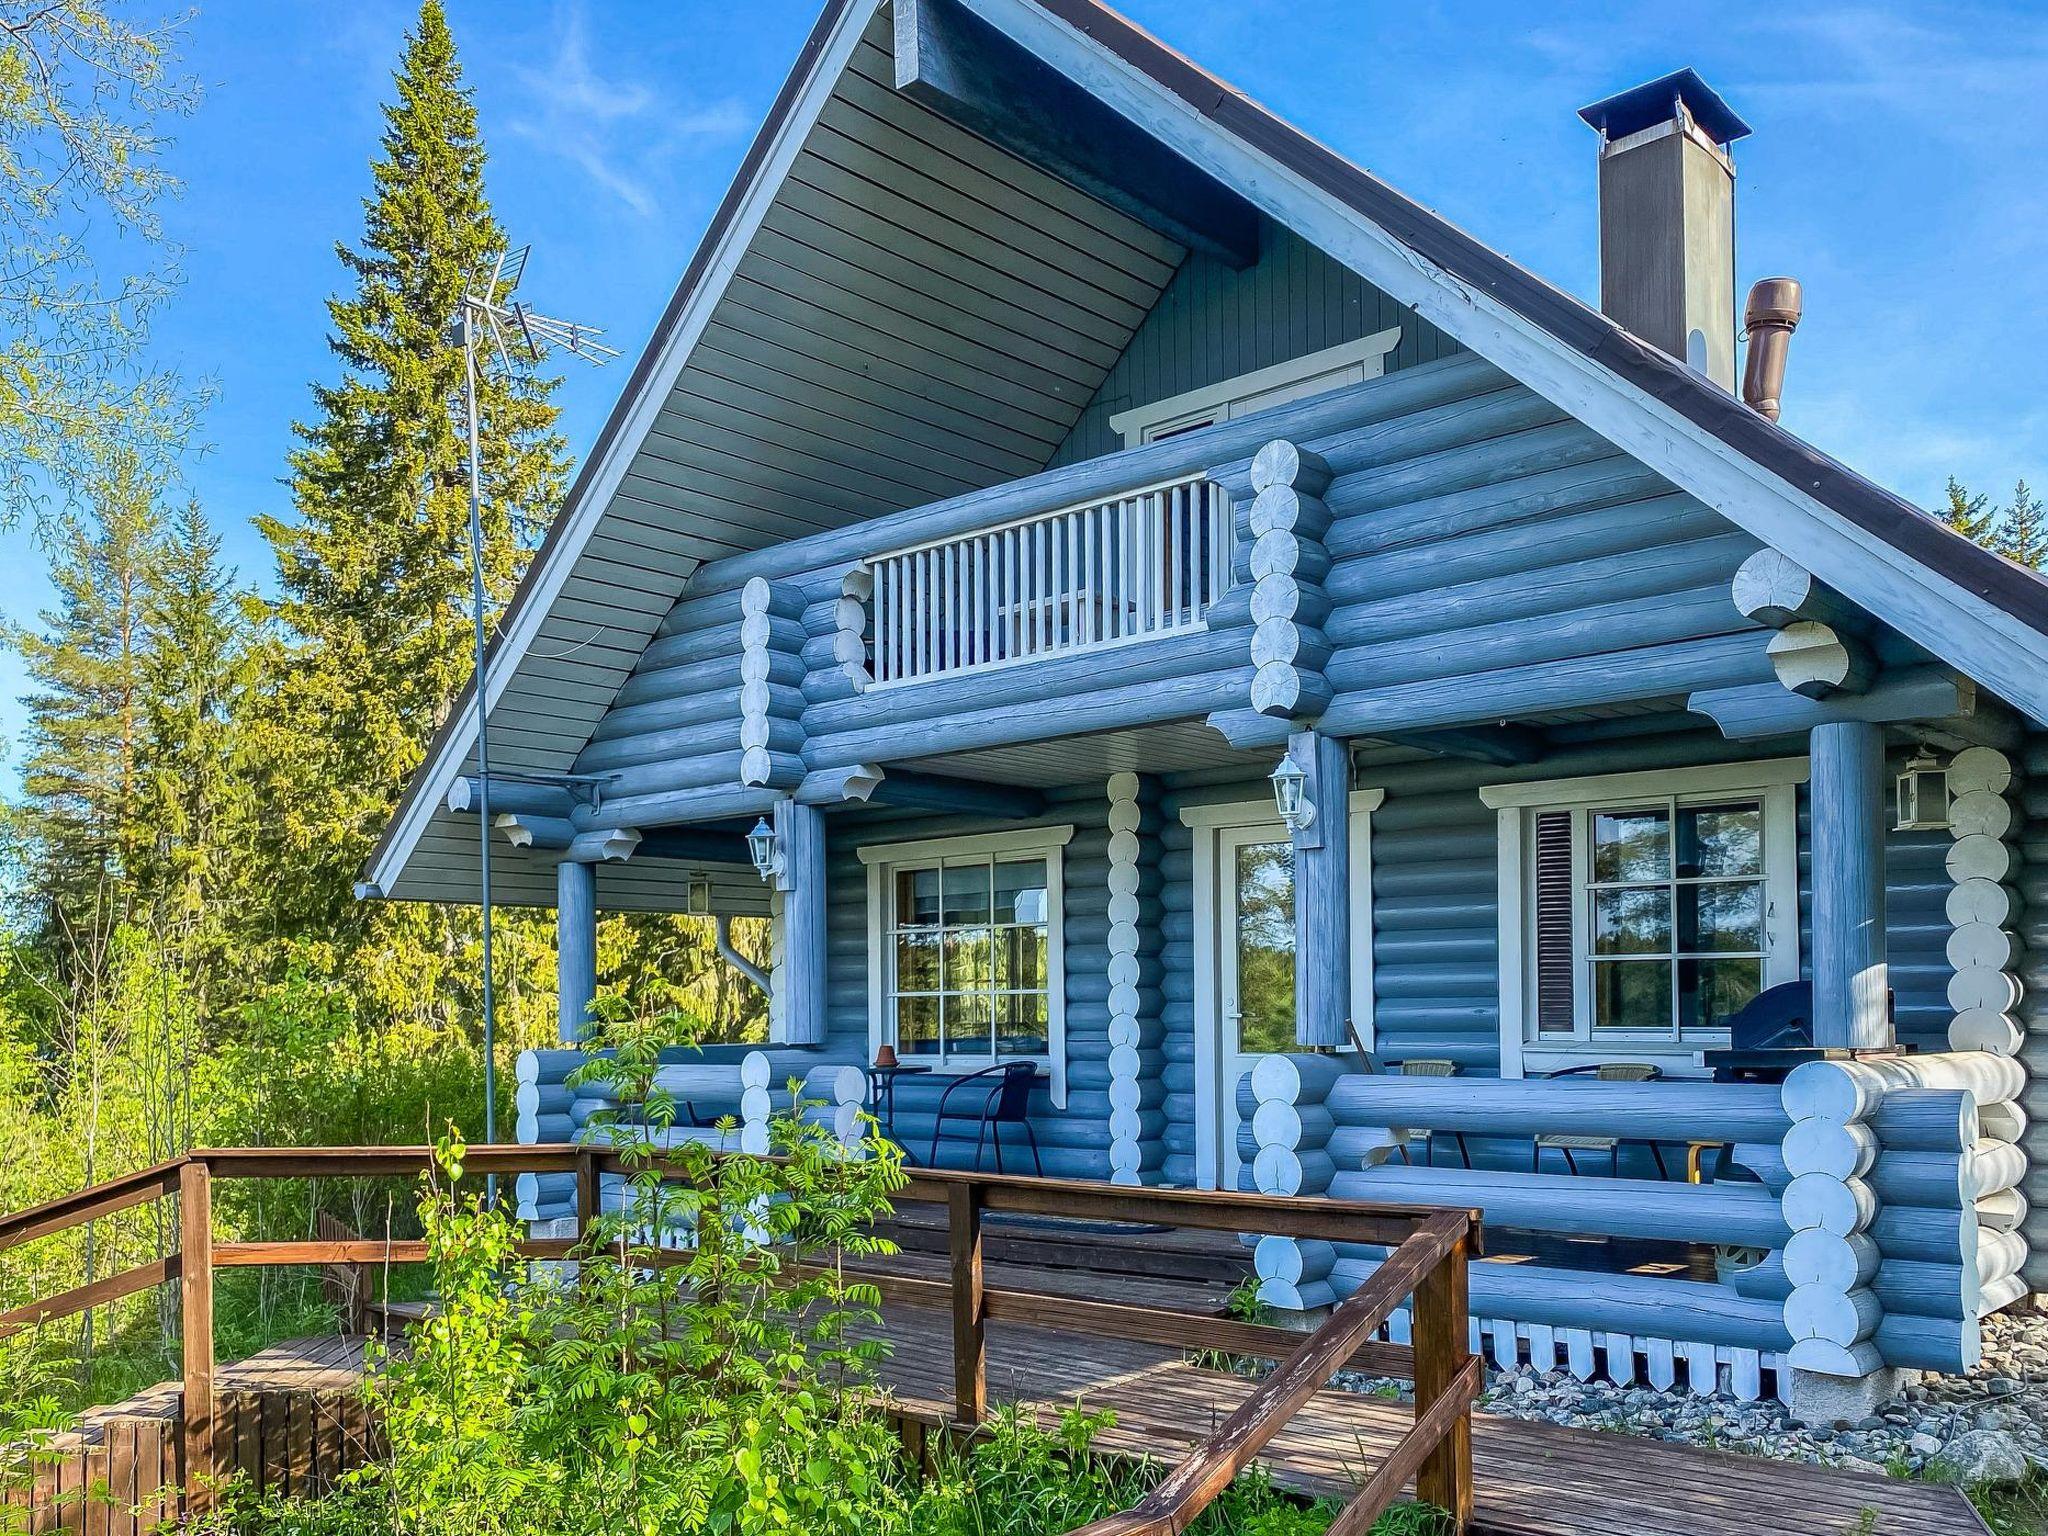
{"x":1208,"y":822}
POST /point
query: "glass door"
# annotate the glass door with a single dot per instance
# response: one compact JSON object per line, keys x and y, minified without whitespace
{"x":1255,"y":943}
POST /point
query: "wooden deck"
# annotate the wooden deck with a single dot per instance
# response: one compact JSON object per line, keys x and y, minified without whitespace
{"x":1024,"y":1254}
{"x":1532,"y":1479}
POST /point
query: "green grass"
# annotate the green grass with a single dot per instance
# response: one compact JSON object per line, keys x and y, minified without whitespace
{"x":2021,"y":1511}
{"x":1019,"y":1481}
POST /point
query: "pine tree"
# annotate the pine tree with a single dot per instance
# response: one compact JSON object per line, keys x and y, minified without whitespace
{"x":2023,"y":534}
{"x":370,"y":641}
{"x":81,"y":817}
{"x":1972,"y":516}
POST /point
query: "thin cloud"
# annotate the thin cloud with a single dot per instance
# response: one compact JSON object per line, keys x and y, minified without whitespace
{"x":620,"y":133}
{"x":1940,"y":77}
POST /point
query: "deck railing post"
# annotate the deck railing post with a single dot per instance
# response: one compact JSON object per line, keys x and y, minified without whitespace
{"x":1441,"y":1344}
{"x":195,"y":1286}
{"x":970,"y":1310}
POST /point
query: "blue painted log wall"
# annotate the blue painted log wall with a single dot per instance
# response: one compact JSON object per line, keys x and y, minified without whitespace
{"x":1074,"y":1142}
{"x":1435,"y":896}
{"x":1214,"y":323}
{"x":2032,"y":795}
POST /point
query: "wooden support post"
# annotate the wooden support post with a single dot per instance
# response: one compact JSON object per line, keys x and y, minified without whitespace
{"x":575,"y":946}
{"x":1322,"y":894}
{"x":195,"y":1285}
{"x":1850,"y":978}
{"x":970,"y":1309}
{"x":800,"y":842}
{"x":1441,"y":1347}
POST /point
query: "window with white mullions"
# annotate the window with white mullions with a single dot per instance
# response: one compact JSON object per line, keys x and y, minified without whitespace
{"x":1676,"y":905}
{"x":968,"y":941}
{"x":1643,"y":909}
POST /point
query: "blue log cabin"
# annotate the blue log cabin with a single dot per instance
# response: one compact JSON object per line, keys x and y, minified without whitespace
{"x":1161,"y":609}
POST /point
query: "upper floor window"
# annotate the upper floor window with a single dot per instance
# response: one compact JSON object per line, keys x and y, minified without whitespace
{"x":1332,"y":368}
{"x":1640,"y":911}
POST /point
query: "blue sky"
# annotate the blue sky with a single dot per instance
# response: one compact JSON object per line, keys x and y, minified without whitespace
{"x":1894,"y":170}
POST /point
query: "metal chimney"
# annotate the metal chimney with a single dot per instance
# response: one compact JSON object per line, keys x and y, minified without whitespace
{"x":1667,"y":218}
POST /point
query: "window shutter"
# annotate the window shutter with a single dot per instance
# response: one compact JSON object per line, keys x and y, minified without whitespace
{"x":1555,"y":968}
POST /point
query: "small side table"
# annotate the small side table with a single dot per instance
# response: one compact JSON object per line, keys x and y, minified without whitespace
{"x":882,"y":1095}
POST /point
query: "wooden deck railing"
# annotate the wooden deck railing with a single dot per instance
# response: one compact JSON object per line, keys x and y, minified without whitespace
{"x":1428,"y":1263}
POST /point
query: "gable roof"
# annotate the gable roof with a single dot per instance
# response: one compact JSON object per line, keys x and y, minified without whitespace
{"x":1963,"y":603}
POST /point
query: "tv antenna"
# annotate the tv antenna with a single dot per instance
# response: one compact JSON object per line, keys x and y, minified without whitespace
{"x":489,"y":315}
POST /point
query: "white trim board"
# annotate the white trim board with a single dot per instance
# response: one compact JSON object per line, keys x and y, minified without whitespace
{"x":1365,"y":358}
{"x":1021,"y":840}
{"x":1948,"y":618}
{"x":1706,"y":779}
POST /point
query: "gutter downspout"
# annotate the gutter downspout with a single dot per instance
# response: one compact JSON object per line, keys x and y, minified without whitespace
{"x":722,"y":928}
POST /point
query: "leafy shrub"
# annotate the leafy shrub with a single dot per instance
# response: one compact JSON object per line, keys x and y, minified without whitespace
{"x":708,"y":1368}
{"x":698,"y":1373}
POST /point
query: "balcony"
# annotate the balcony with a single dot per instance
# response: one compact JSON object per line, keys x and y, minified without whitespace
{"x":1132,"y":567}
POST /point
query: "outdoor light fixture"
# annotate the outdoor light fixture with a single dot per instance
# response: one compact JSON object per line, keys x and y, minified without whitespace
{"x":1290,"y":796}
{"x":761,"y":847}
{"x":1923,"y":796}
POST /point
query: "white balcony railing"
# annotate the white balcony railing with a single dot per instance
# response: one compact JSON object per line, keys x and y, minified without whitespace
{"x":1143,"y":564}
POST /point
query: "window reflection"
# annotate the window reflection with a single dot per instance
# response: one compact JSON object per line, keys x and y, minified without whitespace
{"x":971,"y":972}
{"x":1676,"y":913}
{"x":1265,"y":947}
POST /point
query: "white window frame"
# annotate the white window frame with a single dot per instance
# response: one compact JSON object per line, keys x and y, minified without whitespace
{"x":1351,"y":362}
{"x":1208,"y":823}
{"x":882,"y":861}
{"x":1774,"y":782}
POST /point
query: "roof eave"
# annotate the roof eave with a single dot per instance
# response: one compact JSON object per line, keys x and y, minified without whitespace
{"x":837,"y":29}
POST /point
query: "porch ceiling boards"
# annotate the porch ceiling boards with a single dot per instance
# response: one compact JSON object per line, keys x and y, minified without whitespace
{"x":915,"y":313}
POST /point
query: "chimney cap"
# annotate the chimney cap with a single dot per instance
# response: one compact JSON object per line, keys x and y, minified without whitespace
{"x":1646,"y":105}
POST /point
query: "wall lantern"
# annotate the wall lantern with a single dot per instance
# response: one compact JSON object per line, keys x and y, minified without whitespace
{"x":1290,"y":796}
{"x":1923,"y":796}
{"x":761,"y":847}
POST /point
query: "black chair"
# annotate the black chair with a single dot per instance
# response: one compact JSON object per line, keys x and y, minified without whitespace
{"x":1606,"y":1072}
{"x":686,"y":1114}
{"x":997,"y":1096}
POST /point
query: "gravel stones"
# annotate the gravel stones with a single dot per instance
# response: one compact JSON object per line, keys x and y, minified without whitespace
{"x":1988,"y":1427}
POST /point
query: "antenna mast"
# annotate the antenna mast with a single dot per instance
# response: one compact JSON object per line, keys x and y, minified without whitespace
{"x":490,"y":315}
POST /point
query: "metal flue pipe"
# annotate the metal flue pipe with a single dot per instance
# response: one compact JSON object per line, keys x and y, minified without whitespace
{"x":1769,"y":320}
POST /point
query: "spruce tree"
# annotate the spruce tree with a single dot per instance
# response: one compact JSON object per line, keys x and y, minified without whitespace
{"x":1972,"y":516}
{"x":371,"y":639}
{"x":81,"y":820}
{"x":194,"y":684}
{"x":2023,"y":535}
